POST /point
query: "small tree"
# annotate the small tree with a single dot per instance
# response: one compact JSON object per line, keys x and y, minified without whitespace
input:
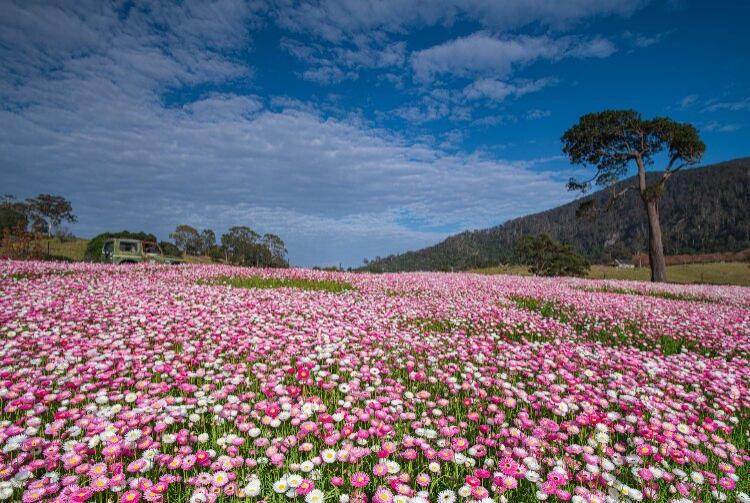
{"x":47,"y":212}
{"x":610,"y":140}
{"x":12,"y":219}
{"x":187,"y":239}
{"x":170,"y":249}
{"x":241,"y":245}
{"x":276,"y":250}
{"x":546,"y":257}
{"x":208,"y":240}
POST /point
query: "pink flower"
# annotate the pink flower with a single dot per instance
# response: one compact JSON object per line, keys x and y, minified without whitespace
{"x":359,"y":479}
{"x":727,"y":483}
{"x":130,"y":496}
{"x":380,"y":469}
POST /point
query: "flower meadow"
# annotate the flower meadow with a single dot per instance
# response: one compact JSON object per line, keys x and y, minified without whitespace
{"x":212,"y":383}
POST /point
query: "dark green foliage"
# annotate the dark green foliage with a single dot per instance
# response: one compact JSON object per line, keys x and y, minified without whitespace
{"x":546,"y":257}
{"x":169,"y":249}
{"x":215,"y":252}
{"x":12,"y":219}
{"x":187,"y":239}
{"x":612,"y":140}
{"x":207,"y":240}
{"x":703,"y":210}
{"x":243,"y":246}
{"x":94,"y":248}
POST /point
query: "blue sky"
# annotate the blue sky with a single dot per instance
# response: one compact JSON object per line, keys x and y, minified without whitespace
{"x":350,"y":128}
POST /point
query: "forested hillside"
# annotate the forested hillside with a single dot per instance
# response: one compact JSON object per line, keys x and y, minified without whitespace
{"x":703,"y":210}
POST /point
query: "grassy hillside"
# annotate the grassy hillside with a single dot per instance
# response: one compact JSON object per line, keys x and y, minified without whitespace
{"x":719,"y":273}
{"x":703,"y":210}
{"x":73,"y":249}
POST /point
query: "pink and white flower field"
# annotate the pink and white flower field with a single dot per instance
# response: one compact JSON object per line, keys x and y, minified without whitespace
{"x":212,"y":383}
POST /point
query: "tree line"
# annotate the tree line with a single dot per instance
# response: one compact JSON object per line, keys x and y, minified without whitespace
{"x":240,"y":245}
{"x":23,"y":221}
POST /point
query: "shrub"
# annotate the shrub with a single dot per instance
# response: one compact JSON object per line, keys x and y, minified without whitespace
{"x":170,"y":249}
{"x":546,"y":257}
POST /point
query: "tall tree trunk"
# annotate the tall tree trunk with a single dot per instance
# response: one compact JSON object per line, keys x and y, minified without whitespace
{"x":655,"y":247}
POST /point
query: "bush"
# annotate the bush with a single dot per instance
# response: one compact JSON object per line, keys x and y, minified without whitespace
{"x":12,"y":219}
{"x":170,"y":249}
{"x":546,"y":257}
{"x":94,"y":247}
{"x":18,"y":244}
{"x":216,"y":253}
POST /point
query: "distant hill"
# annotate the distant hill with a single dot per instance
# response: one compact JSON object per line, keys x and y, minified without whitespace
{"x":703,"y":210}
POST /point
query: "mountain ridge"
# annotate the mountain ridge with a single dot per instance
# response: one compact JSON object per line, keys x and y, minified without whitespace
{"x":703,"y":210}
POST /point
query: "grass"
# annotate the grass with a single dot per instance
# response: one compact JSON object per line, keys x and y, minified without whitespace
{"x":655,"y":293}
{"x":73,"y":249}
{"x":720,"y":273}
{"x":270,"y":283}
{"x":717,"y":273}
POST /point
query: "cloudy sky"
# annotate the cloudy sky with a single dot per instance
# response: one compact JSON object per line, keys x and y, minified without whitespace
{"x":350,"y":128}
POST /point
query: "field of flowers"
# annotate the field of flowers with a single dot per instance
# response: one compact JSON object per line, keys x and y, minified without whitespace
{"x":212,"y":383}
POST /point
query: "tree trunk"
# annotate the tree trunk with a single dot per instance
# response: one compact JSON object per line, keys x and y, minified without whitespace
{"x":655,"y":247}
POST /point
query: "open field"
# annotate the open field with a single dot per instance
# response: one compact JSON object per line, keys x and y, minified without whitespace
{"x":73,"y":249}
{"x":720,"y":273}
{"x":211,"y":383}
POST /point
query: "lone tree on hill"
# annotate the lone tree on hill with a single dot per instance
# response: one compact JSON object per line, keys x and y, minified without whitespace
{"x":611,"y":139}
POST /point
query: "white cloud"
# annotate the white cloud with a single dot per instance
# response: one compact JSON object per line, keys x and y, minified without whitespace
{"x":537,"y":113}
{"x":484,"y":55}
{"x":85,"y":117}
{"x":497,"y":90}
{"x":732,"y":106}
{"x":717,"y":127}
{"x":331,"y":65}
{"x":688,"y":101}
{"x":641,"y":41}
{"x":338,"y":20}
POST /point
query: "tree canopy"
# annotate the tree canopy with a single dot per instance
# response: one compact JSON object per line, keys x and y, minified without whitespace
{"x":610,"y":140}
{"x":546,"y":257}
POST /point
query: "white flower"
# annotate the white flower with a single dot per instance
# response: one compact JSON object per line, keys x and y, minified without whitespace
{"x":446,"y":496}
{"x":294,"y":480}
{"x":696,"y":477}
{"x":434,"y":467}
{"x":252,"y":489}
{"x":393,"y":467}
{"x":464,"y":491}
{"x":532,"y":476}
{"x":133,"y":435}
{"x":344,"y":498}
{"x":306,"y":466}
{"x":315,"y":496}
{"x":280,"y":486}
{"x":328,"y":456}
{"x":198,"y":497}
{"x":400,"y":498}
